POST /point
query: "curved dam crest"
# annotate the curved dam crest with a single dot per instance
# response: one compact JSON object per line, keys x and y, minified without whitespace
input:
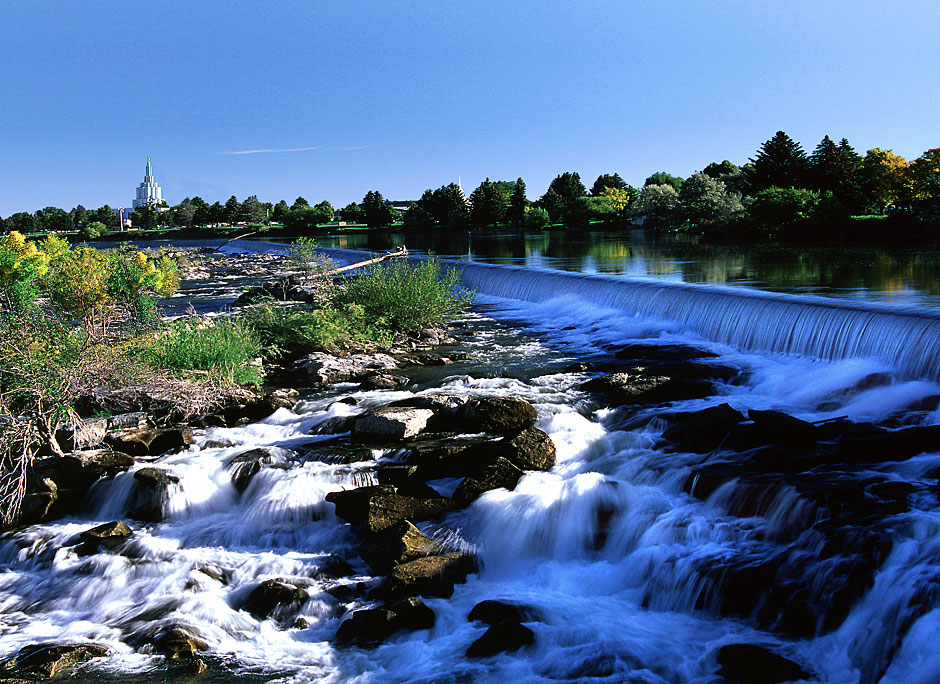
{"x":752,"y":320}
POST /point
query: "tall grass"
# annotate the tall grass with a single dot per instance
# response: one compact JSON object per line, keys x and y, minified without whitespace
{"x":223,"y":348}
{"x":404,"y":297}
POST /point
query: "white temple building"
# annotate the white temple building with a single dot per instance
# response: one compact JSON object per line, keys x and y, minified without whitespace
{"x":148,"y":191}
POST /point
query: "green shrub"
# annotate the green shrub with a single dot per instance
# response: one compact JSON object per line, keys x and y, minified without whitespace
{"x":537,"y":218}
{"x":280,"y":329}
{"x":403,"y":297}
{"x":223,"y":348}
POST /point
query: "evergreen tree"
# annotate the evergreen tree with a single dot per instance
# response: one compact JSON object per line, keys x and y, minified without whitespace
{"x":553,"y":205}
{"x":517,"y":204}
{"x":79,"y":216}
{"x":252,"y":210}
{"x":231,"y":211}
{"x":377,"y":211}
{"x":351,"y":213}
{"x":780,"y":162}
{"x":835,"y":169}
{"x":488,"y":204}
{"x":279,"y":210}
{"x":183,"y":213}
{"x":299,"y":202}
{"x":607,"y":180}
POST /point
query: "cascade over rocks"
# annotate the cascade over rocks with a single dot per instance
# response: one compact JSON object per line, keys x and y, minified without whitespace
{"x":247,"y":464}
{"x":376,"y":508}
{"x":530,"y":449}
{"x":151,"y":493}
{"x":703,"y":431}
{"x":395,"y":545}
{"x":45,"y":661}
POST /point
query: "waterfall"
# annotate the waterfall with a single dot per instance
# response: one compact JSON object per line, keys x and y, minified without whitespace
{"x":753,"y":320}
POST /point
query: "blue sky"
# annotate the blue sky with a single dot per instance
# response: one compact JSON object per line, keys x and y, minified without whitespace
{"x":404,"y":96}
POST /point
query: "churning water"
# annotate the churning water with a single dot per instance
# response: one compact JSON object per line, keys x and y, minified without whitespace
{"x":631,"y":578}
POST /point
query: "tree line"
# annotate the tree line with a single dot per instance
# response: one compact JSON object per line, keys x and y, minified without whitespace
{"x":782,"y":191}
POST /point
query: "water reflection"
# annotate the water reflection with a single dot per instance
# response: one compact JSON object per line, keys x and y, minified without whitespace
{"x":901,"y":276}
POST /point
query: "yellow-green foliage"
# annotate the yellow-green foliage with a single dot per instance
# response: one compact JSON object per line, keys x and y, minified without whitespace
{"x":83,"y":283}
{"x":21,"y":265}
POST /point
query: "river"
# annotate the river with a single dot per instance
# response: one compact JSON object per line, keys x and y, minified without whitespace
{"x":634,"y":573}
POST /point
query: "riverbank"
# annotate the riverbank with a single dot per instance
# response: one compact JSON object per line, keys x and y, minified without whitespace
{"x":704,"y":513}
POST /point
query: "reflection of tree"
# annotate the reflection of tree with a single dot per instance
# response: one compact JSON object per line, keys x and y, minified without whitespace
{"x":865,"y":272}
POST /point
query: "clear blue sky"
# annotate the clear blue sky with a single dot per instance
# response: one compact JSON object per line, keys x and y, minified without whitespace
{"x":403,"y":96}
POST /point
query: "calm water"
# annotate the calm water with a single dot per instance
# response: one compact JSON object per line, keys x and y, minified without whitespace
{"x":898,"y":276}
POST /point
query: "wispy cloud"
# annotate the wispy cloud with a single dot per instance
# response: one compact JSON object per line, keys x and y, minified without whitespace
{"x":284,"y":149}
{"x":299,"y":149}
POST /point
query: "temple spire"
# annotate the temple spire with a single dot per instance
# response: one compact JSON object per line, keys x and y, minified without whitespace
{"x":148,"y":192}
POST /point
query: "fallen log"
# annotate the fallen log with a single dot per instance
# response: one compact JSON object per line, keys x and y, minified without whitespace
{"x":401,"y":252}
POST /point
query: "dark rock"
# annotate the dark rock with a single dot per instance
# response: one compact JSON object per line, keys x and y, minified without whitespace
{"x":497,"y":414}
{"x":530,"y":449}
{"x":275,"y":594}
{"x":703,"y":431}
{"x":151,"y":493}
{"x":772,"y":427}
{"x":335,"y":426}
{"x":247,"y":464}
{"x":377,"y":624}
{"x":45,"y":661}
{"x":150,"y":441}
{"x":492,"y":612}
{"x":108,"y":536}
{"x":396,"y":475}
{"x":400,"y":543}
{"x":439,"y":403}
{"x":56,"y":485}
{"x":430,"y":576}
{"x":332,"y":567}
{"x":502,"y":473}
{"x":641,"y":387}
{"x":379,"y":507}
{"x":190,"y":667}
{"x":449,"y":457}
{"x":338,"y":451}
{"x":179,"y":643}
{"x":662,"y":352}
{"x":391,"y":423}
{"x":752,"y":664}
{"x":889,"y":445}
{"x":500,"y":638}
{"x":428,"y":359}
{"x":383,"y":381}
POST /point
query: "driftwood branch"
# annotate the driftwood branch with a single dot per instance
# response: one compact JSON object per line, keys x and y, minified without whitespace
{"x":401,"y":252}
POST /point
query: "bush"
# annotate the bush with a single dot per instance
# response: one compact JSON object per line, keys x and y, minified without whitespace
{"x":280,"y":329}
{"x":537,"y":218}
{"x":21,"y":266}
{"x":403,"y":297}
{"x":93,"y":230}
{"x":223,"y":348}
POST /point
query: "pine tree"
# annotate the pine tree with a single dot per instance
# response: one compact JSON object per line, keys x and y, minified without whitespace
{"x":780,"y":162}
{"x":487,"y":204}
{"x":607,"y":180}
{"x":517,"y":204}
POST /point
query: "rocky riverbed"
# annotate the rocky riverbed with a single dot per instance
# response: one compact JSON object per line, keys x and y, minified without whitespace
{"x":507,"y":495}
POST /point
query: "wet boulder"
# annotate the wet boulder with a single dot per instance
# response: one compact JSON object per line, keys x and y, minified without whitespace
{"x":641,"y":387}
{"x":373,"y":625}
{"x":45,"y":661}
{"x":151,"y":493}
{"x":150,"y":441}
{"x":500,"y":638}
{"x":395,"y":545}
{"x":178,"y":643}
{"x":453,"y":457}
{"x":500,"y":474}
{"x":246,"y":465}
{"x":56,"y":485}
{"x":272,"y":595}
{"x":492,"y":612}
{"x":378,"y":507}
{"x":324,"y":369}
{"x":430,"y":576}
{"x":752,"y":664}
{"x":439,"y":403}
{"x":391,"y":423}
{"x":383,"y":381}
{"x":497,"y":414}
{"x":663,"y":353}
{"x":257,"y":408}
{"x":772,"y":427}
{"x":107,"y":537}
{"x":703,"y":431}
{"x":530,"y":449}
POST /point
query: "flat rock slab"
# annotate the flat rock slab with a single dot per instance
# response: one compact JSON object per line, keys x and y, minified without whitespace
{"x":391,"y":423}
{"x":325,"y":369}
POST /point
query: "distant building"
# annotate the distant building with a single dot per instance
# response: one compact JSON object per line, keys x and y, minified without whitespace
{"x":148,"y":191}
